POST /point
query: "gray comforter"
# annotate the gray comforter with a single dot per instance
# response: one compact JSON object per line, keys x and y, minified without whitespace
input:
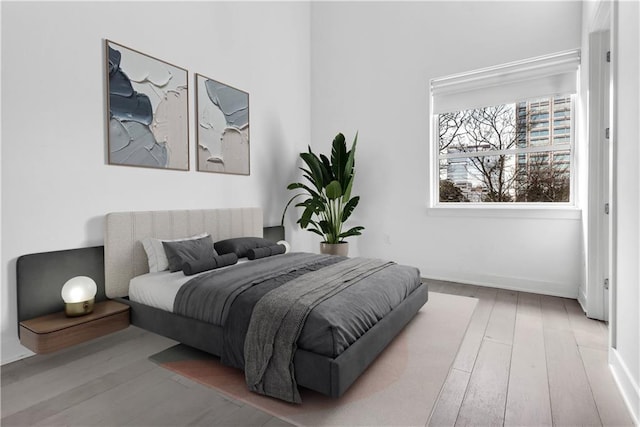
{"x":278,"y":318}
{"x":227,"y":298}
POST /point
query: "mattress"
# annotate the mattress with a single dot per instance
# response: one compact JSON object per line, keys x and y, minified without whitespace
{"x":331,"y":327}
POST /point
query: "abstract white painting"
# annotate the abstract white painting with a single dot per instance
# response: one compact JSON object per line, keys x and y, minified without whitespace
{"x":222,"y":128}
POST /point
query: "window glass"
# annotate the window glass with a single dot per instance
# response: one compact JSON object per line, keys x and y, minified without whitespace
{"x":504,"y":153}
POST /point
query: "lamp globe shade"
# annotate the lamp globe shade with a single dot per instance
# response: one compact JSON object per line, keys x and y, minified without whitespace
{"x":79,"y":289}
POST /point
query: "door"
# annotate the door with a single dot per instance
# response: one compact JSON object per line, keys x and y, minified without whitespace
{"x":599,"y":281}
{"x":606,"y":170}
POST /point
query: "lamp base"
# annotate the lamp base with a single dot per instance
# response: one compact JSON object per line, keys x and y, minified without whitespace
{"x":74,"y":309}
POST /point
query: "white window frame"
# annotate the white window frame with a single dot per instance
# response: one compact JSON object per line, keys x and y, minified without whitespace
{"x":568,"y":210}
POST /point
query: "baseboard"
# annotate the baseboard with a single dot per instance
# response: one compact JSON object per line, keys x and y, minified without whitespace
{"x":511,"y":283}
{"x":582,"y":300}
{"x":627,"y":386}
{"x":13,"y":351}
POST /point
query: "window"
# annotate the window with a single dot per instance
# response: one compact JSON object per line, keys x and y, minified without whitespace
{"x":504,"y":153}
{"x":505,"y":135}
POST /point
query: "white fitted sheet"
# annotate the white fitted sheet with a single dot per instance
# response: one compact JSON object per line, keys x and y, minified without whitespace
{"x":159,"y":289}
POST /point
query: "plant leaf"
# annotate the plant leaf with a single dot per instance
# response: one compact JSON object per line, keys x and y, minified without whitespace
{"x":349,"y":166}
{"x":315,"y":169}
{"x":324,"y":226}
{"x":318,"y":205}
{"x":355,"y":231}
{"x":308,"y":175}
{"x":347,"y":193}
{"x":305,"y":219}
{"x":349,"y":207}
{"x":334,"y":190}
{"x":313,"y":230}
{"x":287,"y":205}
{"x":338,"y":158}
{"x":295,"y":185}
{"x":327,"y":165}
{"x":304,"y":204}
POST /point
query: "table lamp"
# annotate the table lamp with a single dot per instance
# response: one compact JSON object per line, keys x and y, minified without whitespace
{"x":79,"y":294}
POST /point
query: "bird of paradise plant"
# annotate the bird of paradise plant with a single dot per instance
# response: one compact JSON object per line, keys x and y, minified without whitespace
{"x":329,"y":203}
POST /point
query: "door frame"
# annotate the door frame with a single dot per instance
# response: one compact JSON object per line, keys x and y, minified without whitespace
{"x":598,"y":174}
{"x":600,"y":246}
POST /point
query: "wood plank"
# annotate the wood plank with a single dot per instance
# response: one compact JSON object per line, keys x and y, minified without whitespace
{"x":277,"y":422}
{"x":502,"y":321}
{"x":528,"y":401}
{"x":571,"y":399}
{"x":484,"y":402}
{"x":63,"y":401}
{"x":152,"y":399}
{"x":588,"y":332}
{"x":246,"y":416}
{"x":121,"y":404}
{"x":44,"y":362}
{"x":49,"y":383}
{"x":468,"y":352}
{"x":554,"y":313}
{"x":182,"y":406}
{"x":611,"y":407}
{"x":445,"y":411}
{"x":12,"y":372}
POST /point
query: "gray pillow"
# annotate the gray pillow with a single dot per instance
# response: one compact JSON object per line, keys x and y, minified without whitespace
{"x":190,"y":268}
{"x":256,"y":253}
{"x":188,"y":250}
{"x":241,"y":245}
{"x":156,"y":254}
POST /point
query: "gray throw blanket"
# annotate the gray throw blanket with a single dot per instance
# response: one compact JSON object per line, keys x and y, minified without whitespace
{"x":209,"y":296}
{"x":279,"y":316}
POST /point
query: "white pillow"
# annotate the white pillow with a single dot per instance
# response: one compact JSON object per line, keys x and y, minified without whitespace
{"x":155,"y":251}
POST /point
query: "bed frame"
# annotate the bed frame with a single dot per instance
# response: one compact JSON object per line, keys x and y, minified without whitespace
{"x":125,"y":259}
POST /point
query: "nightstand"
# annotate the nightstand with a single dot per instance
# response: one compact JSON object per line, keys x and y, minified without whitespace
{"x":56,"y":331}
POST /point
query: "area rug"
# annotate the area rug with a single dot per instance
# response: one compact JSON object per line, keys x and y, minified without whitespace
{"x":399,"y":388}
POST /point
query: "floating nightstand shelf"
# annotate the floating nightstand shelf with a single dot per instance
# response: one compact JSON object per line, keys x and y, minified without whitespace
{"x":56,"y":331}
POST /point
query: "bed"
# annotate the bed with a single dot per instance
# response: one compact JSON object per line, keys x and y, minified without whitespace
{"x":330,"y":373}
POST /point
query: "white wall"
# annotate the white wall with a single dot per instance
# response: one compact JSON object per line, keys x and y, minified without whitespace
{"x":56,"y":186}
{"x":370,"y":68}
{"x":625,"y":357}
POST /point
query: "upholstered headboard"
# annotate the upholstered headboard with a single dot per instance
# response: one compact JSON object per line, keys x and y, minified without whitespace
{"x":124,"y":256}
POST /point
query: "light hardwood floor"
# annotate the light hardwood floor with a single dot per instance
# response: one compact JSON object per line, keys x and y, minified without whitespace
{"x":528,"y":359}
{"x":525,"y":360}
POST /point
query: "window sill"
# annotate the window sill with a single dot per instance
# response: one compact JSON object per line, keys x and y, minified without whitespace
{"x":470,"y":210}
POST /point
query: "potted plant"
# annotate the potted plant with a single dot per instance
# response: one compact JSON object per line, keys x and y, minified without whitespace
{"x":329,"y":203}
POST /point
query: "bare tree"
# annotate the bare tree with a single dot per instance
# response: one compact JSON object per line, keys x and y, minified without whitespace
{"x":450,"y":127}
{"x":479,"y":130}
{"x":543,"y":180}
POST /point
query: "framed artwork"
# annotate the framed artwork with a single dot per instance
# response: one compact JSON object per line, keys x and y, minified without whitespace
{"x":148,"y":110}
{"x":222,"y":127}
